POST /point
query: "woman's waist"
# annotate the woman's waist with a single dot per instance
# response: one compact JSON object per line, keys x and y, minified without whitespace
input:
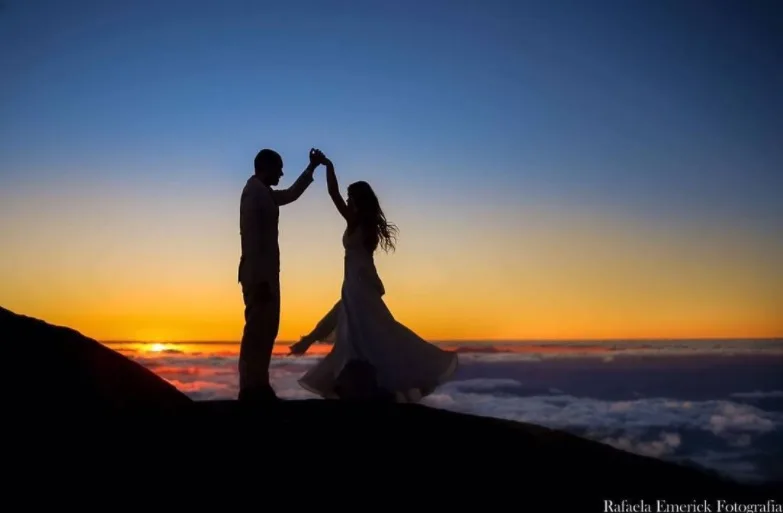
{"x":359,"y":266}
{"x":359,"y":257}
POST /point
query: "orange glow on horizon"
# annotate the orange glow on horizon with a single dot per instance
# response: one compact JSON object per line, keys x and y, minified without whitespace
{"x":532,"y":273}
{"x":231,"y":350}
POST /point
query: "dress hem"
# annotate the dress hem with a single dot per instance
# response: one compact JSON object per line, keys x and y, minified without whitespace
{"x":399,"y":396}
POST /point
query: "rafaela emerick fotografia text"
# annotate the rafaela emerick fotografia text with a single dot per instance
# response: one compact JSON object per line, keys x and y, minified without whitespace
{"x":696,"y":506}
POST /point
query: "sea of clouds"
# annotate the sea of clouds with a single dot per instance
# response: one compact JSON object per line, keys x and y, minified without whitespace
{"x":718,"y":405}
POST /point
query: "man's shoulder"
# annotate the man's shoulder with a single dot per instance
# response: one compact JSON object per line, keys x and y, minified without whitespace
{"x":254,"y":187}
{"x":253,"y":183}
{"x":256,"y":194}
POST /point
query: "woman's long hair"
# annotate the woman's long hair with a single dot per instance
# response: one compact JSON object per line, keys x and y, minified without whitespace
{"x":370,"y":217}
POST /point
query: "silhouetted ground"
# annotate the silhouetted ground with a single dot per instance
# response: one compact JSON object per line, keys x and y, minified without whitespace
{"x":82,"y":409}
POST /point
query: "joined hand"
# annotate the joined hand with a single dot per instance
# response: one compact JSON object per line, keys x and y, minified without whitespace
{"x":316,"y":157}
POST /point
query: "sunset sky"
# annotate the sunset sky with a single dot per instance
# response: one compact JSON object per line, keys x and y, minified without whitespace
{"x":563,"y":169}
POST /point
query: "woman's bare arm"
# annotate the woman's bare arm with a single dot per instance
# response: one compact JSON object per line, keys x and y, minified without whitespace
{"x":334,"y":191}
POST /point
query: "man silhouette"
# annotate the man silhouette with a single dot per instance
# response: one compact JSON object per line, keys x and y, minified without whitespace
{"x":259,"y":267}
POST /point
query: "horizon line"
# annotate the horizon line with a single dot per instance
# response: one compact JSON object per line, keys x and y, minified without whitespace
{"x":488,"y":341}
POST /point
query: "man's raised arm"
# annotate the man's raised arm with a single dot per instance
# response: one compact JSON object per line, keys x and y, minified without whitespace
{"x":291,"y":194}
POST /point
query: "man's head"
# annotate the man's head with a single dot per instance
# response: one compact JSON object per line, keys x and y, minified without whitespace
{"x":268,"y":166}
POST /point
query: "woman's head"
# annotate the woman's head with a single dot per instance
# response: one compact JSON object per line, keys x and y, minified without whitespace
{"x":363,"y":202}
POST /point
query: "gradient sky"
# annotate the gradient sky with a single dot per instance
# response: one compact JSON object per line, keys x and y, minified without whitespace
{"x":561,"y":169}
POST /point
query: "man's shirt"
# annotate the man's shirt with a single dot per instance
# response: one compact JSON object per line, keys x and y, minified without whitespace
{"x":259,"y":213}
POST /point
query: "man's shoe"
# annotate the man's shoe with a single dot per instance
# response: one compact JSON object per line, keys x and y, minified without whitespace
{"x":255,"y":395}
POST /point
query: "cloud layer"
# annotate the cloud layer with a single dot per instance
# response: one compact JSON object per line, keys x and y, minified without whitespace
{"x":721,"y":409}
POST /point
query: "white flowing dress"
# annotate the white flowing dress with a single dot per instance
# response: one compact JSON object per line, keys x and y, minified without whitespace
{"x":404,"y":363}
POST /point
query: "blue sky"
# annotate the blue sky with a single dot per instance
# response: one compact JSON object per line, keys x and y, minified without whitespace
{"x":652,"y":102}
